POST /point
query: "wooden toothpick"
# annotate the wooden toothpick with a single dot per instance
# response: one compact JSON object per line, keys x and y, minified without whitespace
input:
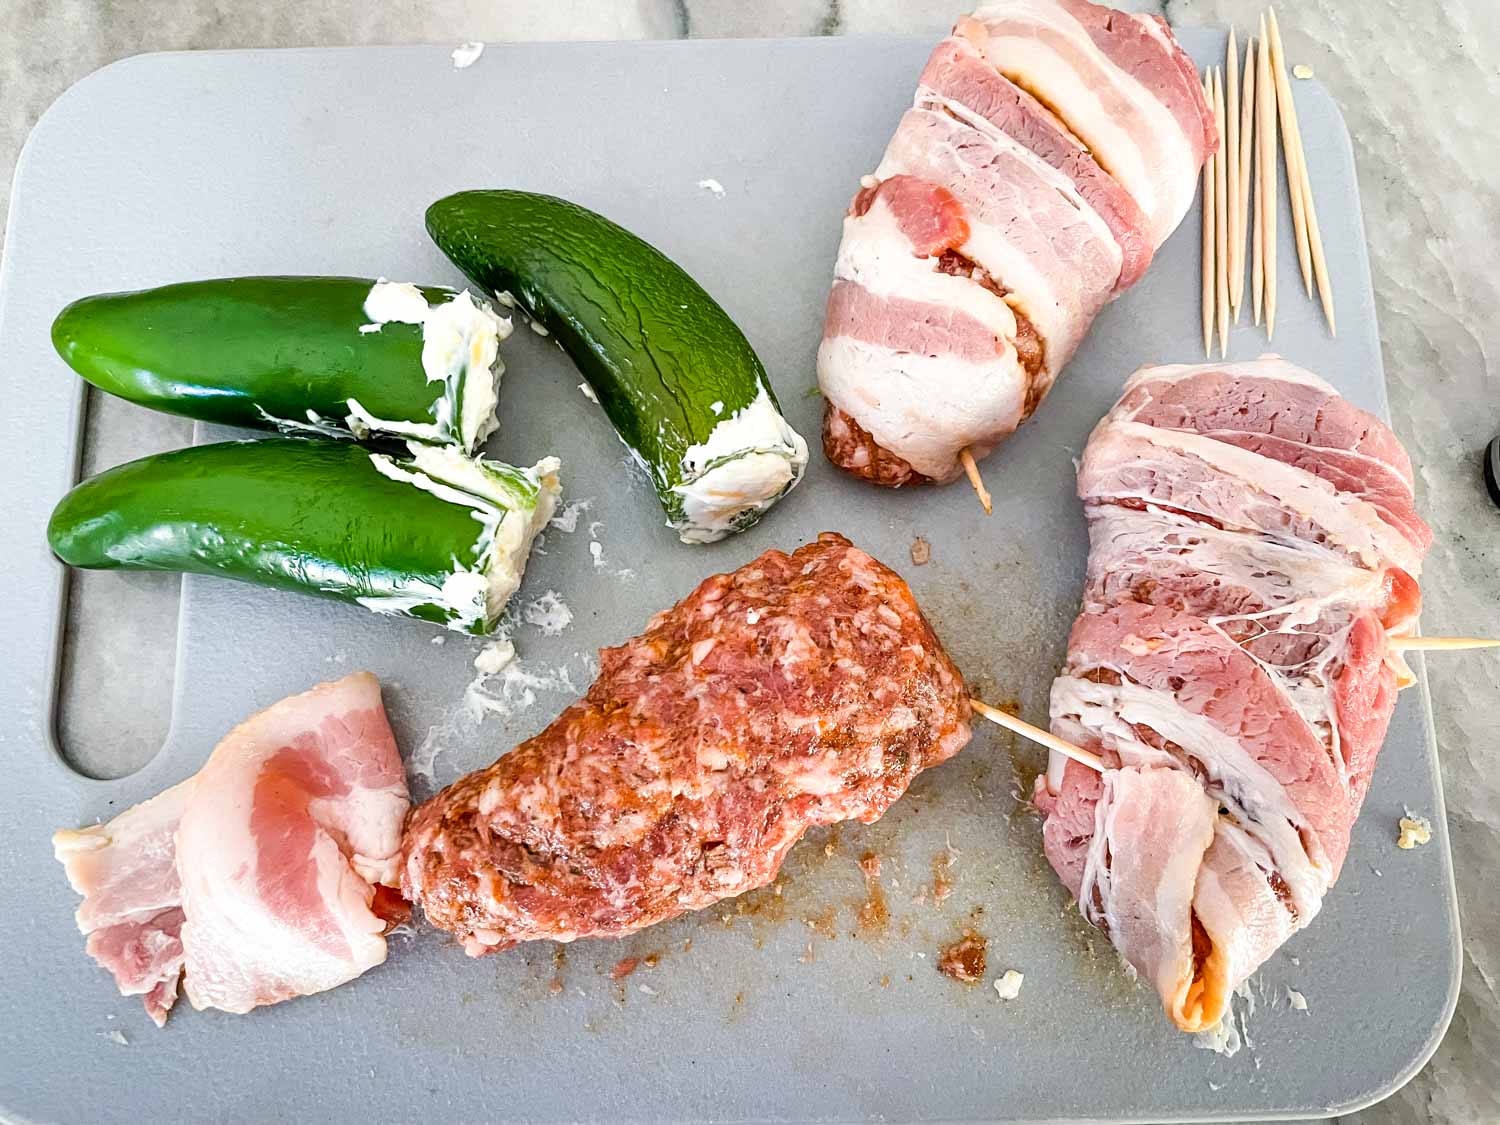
{"x":971,"y":470}
{"x":1441,"y":644}
{"x":1038,"y":735}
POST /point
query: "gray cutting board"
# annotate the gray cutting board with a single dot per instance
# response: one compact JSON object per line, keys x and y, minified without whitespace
{"x":170,"y":167}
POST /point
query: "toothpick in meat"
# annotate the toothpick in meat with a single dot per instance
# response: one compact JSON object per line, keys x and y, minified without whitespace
{"x":1441,"y":644}
{"x":971,"y":470}
{"x":1038,"y":735}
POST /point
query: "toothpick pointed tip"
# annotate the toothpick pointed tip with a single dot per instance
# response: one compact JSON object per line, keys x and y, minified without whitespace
{"x":971,"y":470}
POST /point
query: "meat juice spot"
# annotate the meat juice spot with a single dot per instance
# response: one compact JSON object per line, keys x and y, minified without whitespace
{"x":942,"y":876}
{"x":874,"y":916}
{"x":964,"y":959}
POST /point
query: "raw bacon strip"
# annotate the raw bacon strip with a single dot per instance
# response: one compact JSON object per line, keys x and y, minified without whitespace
{"x":1224,"y":484}
{"x":1289,"y":415}
{"x":958,"y":79}
{"x":258,"y":876}
{"x":942,"y":339}
{"x":1028,"y":226}
{"x":799,"y":690}
{"x":131,"y":909}
{"x":1253,"y":541}
{"x":1121,"y":85}
{"x":996,"y":227}
{"x":295,"y":817}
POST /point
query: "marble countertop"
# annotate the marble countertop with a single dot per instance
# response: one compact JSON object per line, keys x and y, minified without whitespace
{"x":1430,"y":181}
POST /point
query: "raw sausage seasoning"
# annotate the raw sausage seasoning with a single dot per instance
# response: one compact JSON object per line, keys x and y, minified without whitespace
{"x":799,"y":690}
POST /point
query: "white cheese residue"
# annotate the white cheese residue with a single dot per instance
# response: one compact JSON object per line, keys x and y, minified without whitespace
{"x":316,"y":424}
{"x":513,"y":687}
{"x":1008,"y":986}
{"x":749,"y":461}
{"x":466,"y":55}
{"x":460,"y":350}
{"x":1296,"y":1000}
{"x":549,"y":613}
{"x":495,"y":656}
{"x":567,"y":520}
{"x":1232,"y":1031}
{"x":710,"y":184}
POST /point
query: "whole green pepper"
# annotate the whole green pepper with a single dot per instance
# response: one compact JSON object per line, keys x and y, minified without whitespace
{"x":434,"y":535}
{"x":677,"y":378}
{"x":321,"y":355}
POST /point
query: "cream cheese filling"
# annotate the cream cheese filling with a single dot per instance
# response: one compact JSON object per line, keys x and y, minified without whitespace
{"x":460,"y":346}
{"x":749,"y":461}
{"x":510,"y":507}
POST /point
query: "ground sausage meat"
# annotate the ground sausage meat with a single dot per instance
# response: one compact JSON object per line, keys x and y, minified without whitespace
{"x":799,"y":690}
{"x":854,"y":449}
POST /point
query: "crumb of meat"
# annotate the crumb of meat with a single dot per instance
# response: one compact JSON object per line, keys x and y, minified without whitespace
{"x":964,"y":959}
{"x":555,"y":986}
{"x":942,"y":875}
{"x":885,"y":981}
{"x":624,"y":967}
{"x":1415,"y":831}
{"x":921,"y":551}
{"x":1008,"y":984}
